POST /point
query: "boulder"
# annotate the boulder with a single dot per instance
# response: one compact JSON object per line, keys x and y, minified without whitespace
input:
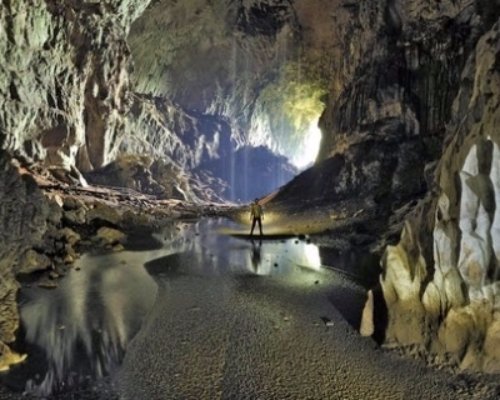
{"x":105,"y":213}
{"x":32,"y":261}
{"x":70,"y":236}
{"x":75,"y":217}
{"x":110,"y":236}
{"x":8,"y":358}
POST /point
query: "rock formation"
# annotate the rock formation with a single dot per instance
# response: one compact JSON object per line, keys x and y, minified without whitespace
{"x":22,"y":225}
{"x":454,"y":288}
{"x":410,"y":146}
{"x":65,"y":70}
{"x":63,"y":93}
{"x":408,"y":96}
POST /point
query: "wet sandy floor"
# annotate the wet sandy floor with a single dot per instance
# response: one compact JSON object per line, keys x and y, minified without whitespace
{"x":206,"y":316}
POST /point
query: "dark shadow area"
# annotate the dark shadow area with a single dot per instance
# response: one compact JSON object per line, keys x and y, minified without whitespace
{"x":362,"y":267}
{"x":348,"y":303}
{"x":257,"y":237}
{"x":256,"y":254}
{"x":169,"y":266}
{"x":380,"y":315}
{"x":18,"y":376}
{"x":136,"y":242}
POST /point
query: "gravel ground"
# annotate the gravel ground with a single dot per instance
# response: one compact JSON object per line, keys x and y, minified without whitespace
{"x":270,"y":337}
{"x":236,"y":320}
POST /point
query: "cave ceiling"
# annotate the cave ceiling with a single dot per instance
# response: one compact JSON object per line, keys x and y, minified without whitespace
{"x":263,"y":66}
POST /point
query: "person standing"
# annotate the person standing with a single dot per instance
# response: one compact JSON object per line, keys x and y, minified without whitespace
{"x":256,"y":215}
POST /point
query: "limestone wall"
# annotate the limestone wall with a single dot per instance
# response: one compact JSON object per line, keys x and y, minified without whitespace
{"x":64,"y":78}
{"x":449,"y":301}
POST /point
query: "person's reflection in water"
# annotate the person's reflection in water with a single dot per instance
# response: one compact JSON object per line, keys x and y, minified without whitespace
{"x":256,"y":256}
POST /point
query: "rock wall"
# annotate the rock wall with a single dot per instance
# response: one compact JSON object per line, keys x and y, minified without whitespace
{"x":24,"y":213}
{"x":171,"y":153}
{"x":64,"y":78}
{"x":388,"y":105}
{"x":452,"y":293}
{"x":63,"y":94}
{"x":162,"y":129}
{"x":410,"y":148}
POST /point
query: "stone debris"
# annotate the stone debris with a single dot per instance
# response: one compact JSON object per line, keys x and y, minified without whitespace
{"x":327,"y":322}
{"x":8,"y":358}
{"x":53,"y":275}
{"x":367,"y":326}
{"x":110,"y":236}
{"x":47,"y":285}
{"x":33,"y":261}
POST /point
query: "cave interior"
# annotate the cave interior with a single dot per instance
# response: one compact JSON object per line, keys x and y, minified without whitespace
{"x":142,"y":141}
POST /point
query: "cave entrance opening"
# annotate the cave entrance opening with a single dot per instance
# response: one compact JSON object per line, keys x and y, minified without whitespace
{"x":246,"y":84}
{"x":309,"y":151}
{"x":283,"y":139}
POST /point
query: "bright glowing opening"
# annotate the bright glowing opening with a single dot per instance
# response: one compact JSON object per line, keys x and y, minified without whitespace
{"x":310,"y":147}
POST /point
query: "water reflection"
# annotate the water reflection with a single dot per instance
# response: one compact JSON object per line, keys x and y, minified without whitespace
{"x":210,"y":253}
{"x":361,"y":267}
{"x":256,"y":255}
{"x":80,"y":331}
{"x":82,"y":328}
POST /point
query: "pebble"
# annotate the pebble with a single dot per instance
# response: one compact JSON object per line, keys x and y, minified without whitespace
{"x":53,"y":275}
{"x":47,"y":285}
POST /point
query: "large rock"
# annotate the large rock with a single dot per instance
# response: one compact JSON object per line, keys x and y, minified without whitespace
{"x":32,"y":261}
{"x":459,"y":289}
{"x":110,"y":236}
{"x":23,"y":224}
